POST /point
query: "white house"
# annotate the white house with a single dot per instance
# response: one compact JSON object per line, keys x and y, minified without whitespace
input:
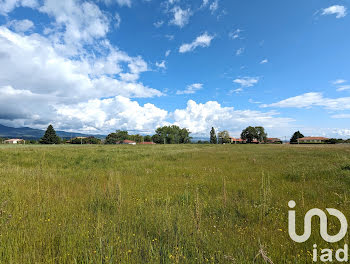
{"x":14,"y":141}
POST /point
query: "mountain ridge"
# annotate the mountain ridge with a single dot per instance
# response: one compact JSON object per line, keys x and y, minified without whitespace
{"x":32,"y":133}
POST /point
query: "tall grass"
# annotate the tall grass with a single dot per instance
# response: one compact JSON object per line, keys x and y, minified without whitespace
{"x":165,"y":204}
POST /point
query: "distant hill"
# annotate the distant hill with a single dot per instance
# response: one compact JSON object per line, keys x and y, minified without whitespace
{"x":31,"y":133}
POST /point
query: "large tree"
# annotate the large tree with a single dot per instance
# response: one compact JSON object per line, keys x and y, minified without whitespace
{"x":249,"y":134}
{"x":294,"y":138}
{"x":88,"y":140}
{"x":50,"y":136}
{"x":171,"y":135}
{"x":213,"y":138}
{"x":147,"y":138}
{"x":261,"y":135}
{"x":224,"y":137}
{"x":119,"y":135}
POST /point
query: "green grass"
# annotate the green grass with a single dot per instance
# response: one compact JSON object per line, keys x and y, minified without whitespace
{"x":165,"y":204}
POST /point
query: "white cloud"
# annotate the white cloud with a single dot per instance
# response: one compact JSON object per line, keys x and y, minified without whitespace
{"x":338,"y":10}
{"x":21,"y":25}
{"x":161,"y":64}
{"x":118,"y":20}
{"x":264,"y":61}
{"x":167,"y":53}
{"x":309,"y":100}
{"x":199,"y":118}
{"x":158,"y":24}
{"x":119,"y":2}
{"x":339,"y":81}
{"x":205,"y":3}
{"x":341,"y":116}
{"x":170,"y":37}
{"x":112,"y":113}
{"x":214,"y":6}
{"x":43,"y":77}
{"x":247,"y":81}
{"x":191,"y":89}
{"x":240,"y":51}
{"x":235,"y":34}
{"x":181,"y":16}
{"x":6,"y":6}
{"x":203,"y":40}
{"x":343,"y":88}
{"x":75,"y":24}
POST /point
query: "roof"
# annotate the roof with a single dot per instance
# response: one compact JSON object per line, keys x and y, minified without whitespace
{"x":273,"y":139}
{"x":128,"y":141}
{"x":313,"y":138}
{"x":237,"y":139}
{"x":14,"y":139}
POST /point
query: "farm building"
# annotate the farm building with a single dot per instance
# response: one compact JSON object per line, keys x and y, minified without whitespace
{"x":14,"y":141}
{"x":237,"y":141}
{"x":273,"y":141}
{"x":127,"y":142}
{"x":312,"y":140}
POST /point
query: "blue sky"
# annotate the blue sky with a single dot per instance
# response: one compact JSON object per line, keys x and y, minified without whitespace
{"x":98,"y":66}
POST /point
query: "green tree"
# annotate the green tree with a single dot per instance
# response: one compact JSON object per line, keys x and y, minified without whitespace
{"x":261,"y":135}
{"x":294,"y":138}
{"x":50,"y":136}
{"x":88,"y":140}
{"x":147,"y":138}
{"x":137,"y":138}
{"x":224,"y":137}
{"x":249,"y":134}
{"x":119,"y":135}
{"x":254,"y":133}
{"x":171,"y":135}
{"x":213,"y":138}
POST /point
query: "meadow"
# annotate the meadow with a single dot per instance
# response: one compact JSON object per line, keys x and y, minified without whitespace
{"x":166,"y":203}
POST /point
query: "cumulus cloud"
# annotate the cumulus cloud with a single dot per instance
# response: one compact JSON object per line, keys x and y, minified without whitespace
{"x":181,"y":16}
{"x":203,"y":40}
{"x":338,"y":10}
{"x":56,"y":69}
{"x":76,"y":24}
{"x":191,"y":89}
{"x":108,"y":114}
{"x":199,"y":118}
{"x":21,"y":25}
{"x":264,"y":61}
{"x":167,"y":53}
{"x":7,"y":6}
{"x":309,"y":100}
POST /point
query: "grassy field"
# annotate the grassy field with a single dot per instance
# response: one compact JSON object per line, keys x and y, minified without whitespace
{"x":165,"y":204}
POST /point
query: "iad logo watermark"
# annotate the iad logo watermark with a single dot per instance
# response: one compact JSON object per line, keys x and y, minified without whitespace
{"x":326,"y":255}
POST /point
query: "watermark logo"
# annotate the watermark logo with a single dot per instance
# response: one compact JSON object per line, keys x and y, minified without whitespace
{"x":341,"y":255}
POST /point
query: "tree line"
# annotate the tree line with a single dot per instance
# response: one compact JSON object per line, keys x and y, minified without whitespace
{"x":163,"y":135}
{"x":170,"y":135}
